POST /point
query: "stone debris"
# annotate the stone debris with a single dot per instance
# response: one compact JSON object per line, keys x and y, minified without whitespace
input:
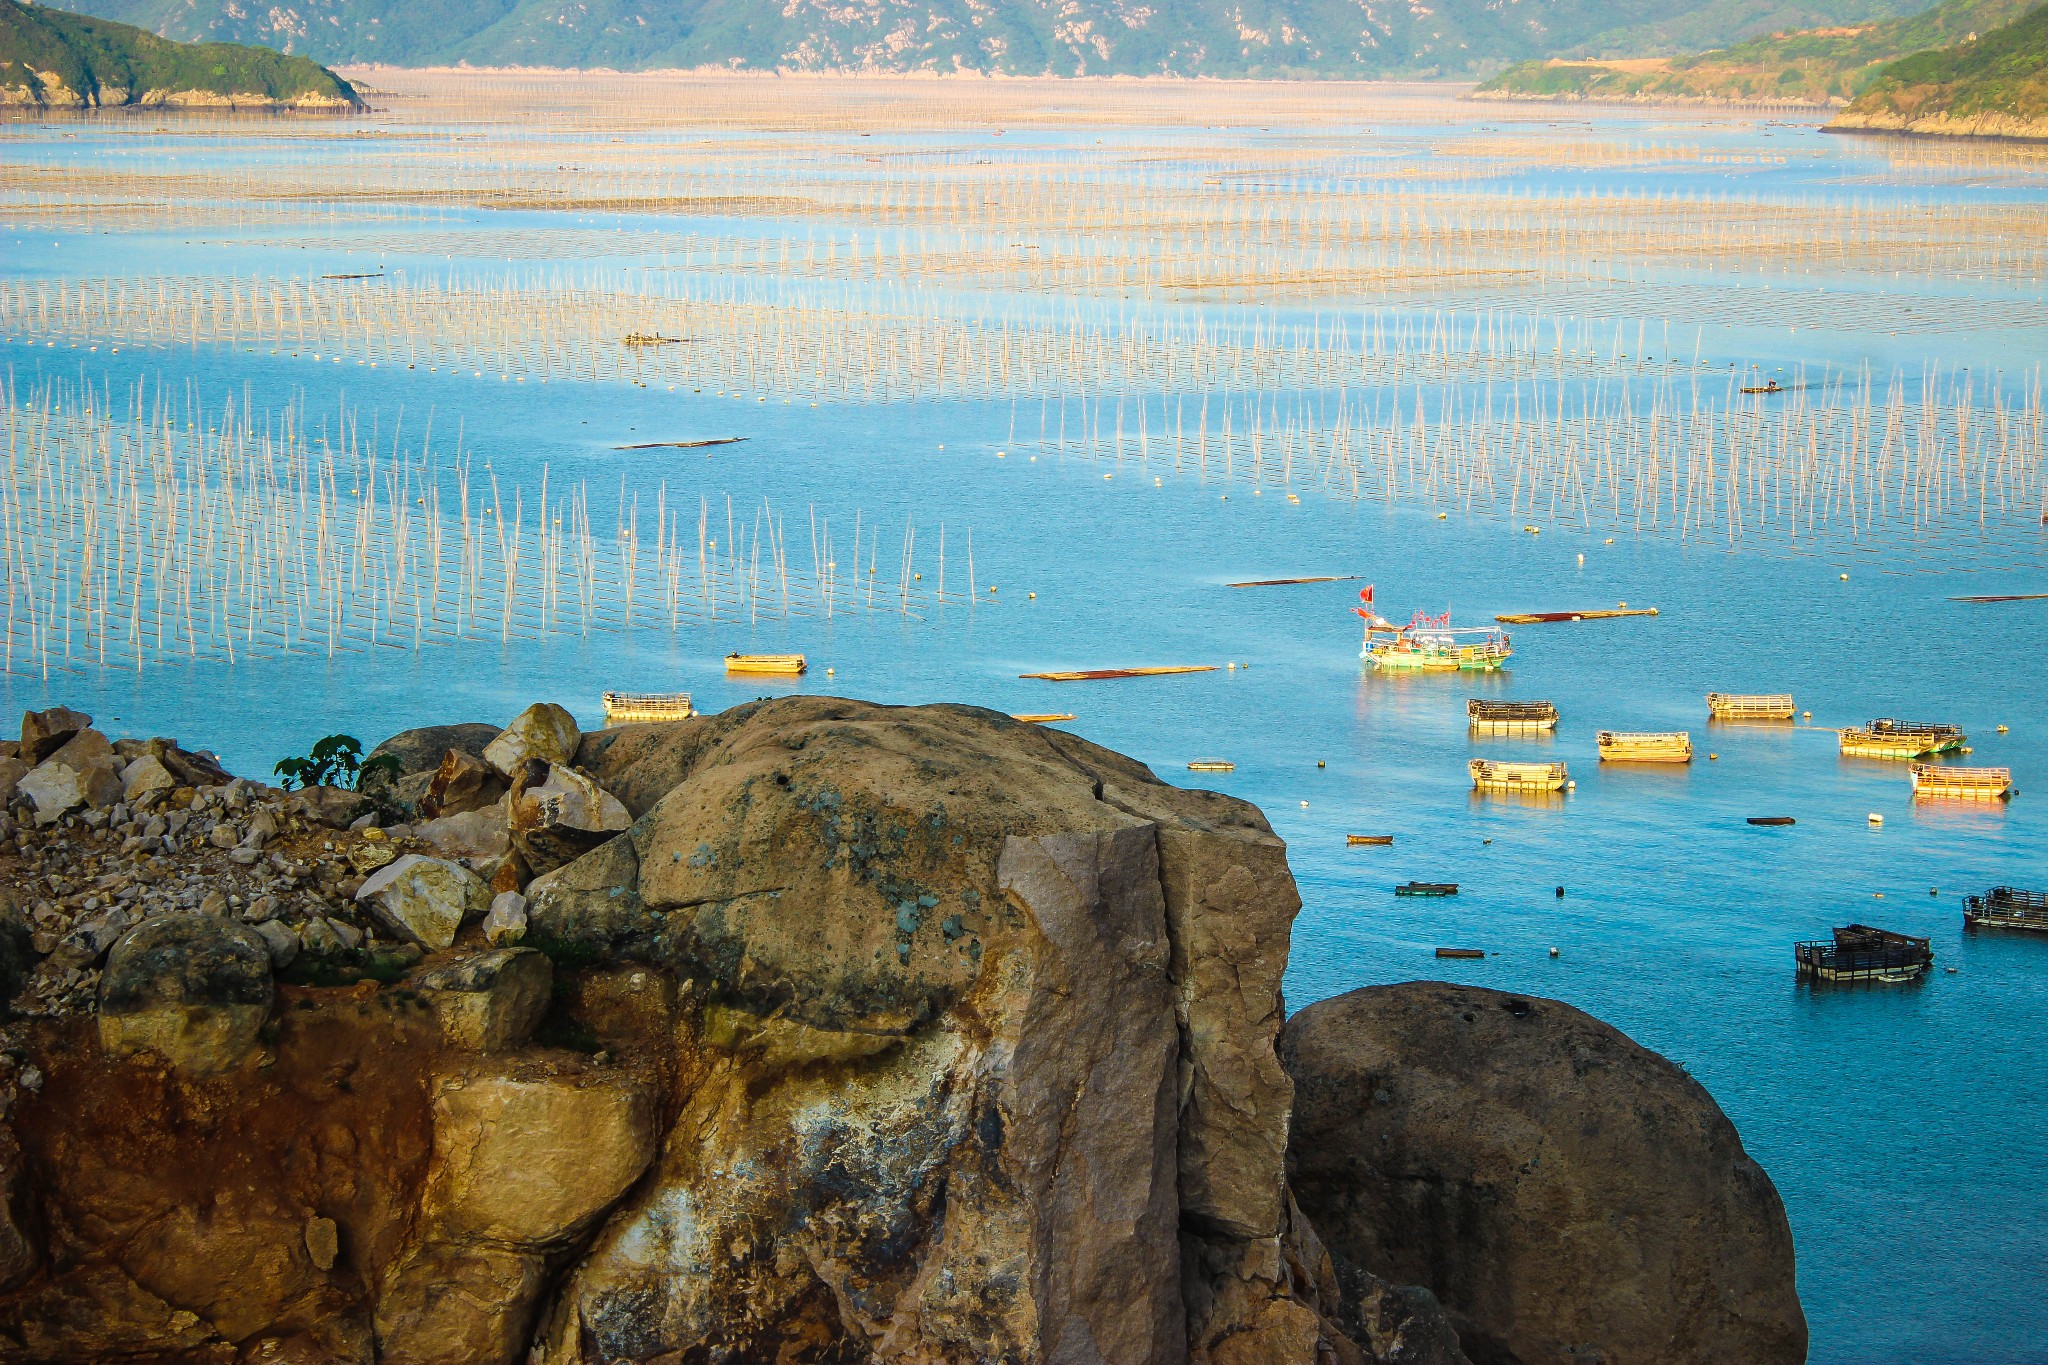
{"x":558,"y":815}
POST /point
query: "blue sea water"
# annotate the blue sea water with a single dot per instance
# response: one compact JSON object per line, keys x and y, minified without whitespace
{"x":1905,"y":1127}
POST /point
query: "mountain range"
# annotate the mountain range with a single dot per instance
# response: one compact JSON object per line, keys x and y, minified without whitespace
{"x":1365,"y":38}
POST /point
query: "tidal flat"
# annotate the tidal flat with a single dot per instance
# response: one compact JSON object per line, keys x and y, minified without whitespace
{"x":353,"y":425}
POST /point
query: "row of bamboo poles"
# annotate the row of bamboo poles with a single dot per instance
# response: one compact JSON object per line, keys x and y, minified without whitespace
{"x":133,"y":538}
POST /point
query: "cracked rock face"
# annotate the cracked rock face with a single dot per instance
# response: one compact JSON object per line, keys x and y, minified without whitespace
{"x":1567,"y":1194}
{"x":948,"y":1047}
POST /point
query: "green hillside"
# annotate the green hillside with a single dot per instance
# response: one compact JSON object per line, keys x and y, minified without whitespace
{"x":1015,"y":37}
{"x":1996,"y":83}
{"x":1814,"y":66}
{"x":53,"y":59}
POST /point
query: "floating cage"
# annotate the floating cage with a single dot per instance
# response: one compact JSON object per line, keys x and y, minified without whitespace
{"x":1750,"y":705}
{"x":630,"y":708}
{"x":1858,"y":952}
{"x":2005,"y":907}
{"x":765,"y":663}
{"x":1938,"y":780}
{"x":1511,"y":717}
{"x":1673,"y":746}
{"x":1488,"y":775}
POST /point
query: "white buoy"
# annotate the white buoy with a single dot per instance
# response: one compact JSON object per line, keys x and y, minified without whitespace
{"x":1876,"y":819}
{"x":1553,"y":952}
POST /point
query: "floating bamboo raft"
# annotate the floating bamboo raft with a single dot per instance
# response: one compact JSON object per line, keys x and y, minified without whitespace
{"x":1099,"y":674}
{"x":1368,"y":840}
{"x":1939,"y":781}
{"x":1211,"y":765}
{"x":1511,"y":717}
{"x":2006,"y":597}
{"x":1044,"y":717}
{"x":1461,"y":952}
{"x":1750,"y":705}
{"x":1426,"y":889}
{"x":1537,"y":618}
{"x":1488,"y":775}
{"x":765,"y":663}
{"x":1672,"y":746}
{"x":2005,"y":907}
{"x":1285,"y":582}
{"x":1901,"y":739}
{"x":628,"y":708}
{"x":683,"y":445}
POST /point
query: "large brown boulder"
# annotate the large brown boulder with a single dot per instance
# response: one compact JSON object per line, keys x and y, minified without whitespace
{"x":1568,"y":1195}
{"x":982,"y":1045}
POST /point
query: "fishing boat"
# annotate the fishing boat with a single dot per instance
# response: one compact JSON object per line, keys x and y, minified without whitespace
{"x":1773,"y":387}
{"x":2005,"y":907}
{"x":1461,"y":952}
{"x":765,"y":663}
{"x":1889,"y":738}
{"x":1511,"y":717}
{"x":1042,"y":717}
{"x":1674,"y":746}
{"x":630,"y":708}
{"x":1429,"y":644}
{"x":1939,"y":781}
{"x":1368,"y":840}
{"x":1857,"y":952}
{"x":1211,"y":765}
{"x":1772,"y":820}
{"x":1426,"y":889}
{"x":1488,"y":775}
{"x":1750,"y":706}
{"x":1103,"y":674}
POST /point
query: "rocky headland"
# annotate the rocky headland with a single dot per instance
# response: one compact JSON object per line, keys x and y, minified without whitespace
{"x":813,"y":1031}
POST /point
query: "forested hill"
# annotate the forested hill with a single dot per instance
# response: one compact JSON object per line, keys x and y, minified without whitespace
{"x":1014,"y":37}
{"x":1994,"y":84}
{"x":1829,"y":65}
{"x":53,"y":59}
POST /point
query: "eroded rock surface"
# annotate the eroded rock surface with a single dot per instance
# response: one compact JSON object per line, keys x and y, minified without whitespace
{"x":1568,"y":1195}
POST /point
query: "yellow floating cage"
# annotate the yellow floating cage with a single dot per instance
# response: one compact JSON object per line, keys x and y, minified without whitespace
{"x":630,"y":708}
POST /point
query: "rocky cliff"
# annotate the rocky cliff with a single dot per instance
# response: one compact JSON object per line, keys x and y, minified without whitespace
{"x":815,"y":1031}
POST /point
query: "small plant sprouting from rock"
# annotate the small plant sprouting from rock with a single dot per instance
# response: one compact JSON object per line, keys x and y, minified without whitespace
{"x":336,"y":761}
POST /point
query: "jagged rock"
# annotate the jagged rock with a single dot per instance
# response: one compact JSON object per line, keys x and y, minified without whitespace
{"x":281,"y":942}
{"x":85,"y":750}
{"x":317,"y":936}
{"x":558,"y":814}
{"x":144,"y":775}
{"x":522,"y":1166}
{"x":506,"y":921}
{"x":367,"y":857}
{"x":489,"y":1001}
{"x":194,"y":989}
{"x":12,"y":770}
{"x":461,"y":783}
{"x":55,"y":791}
{"x":1566,"y":1194}
{"x":476,"y":836}
{"x":329,"y":806}
{"x":90,"y":938}
{"x":45,"y":732}
{"x":542,"y":731}
{"x":323,"y":1242}
{"x":418,"y":754}
{"x":424,"y":900}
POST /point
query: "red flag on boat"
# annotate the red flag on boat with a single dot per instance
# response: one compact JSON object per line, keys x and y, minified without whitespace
{"x":1365,"y":594}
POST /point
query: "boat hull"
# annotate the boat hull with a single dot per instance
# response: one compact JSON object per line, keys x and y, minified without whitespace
{"x":1517,"y":777}
{"x":1673,"y":748}
{"x":1462,"y":659}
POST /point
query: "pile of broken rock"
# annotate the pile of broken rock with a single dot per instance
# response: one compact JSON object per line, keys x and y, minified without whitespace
{"x":810,"y":1032}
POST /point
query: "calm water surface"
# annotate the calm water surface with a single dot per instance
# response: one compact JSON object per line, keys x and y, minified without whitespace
{"x":1907,"y":1128}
